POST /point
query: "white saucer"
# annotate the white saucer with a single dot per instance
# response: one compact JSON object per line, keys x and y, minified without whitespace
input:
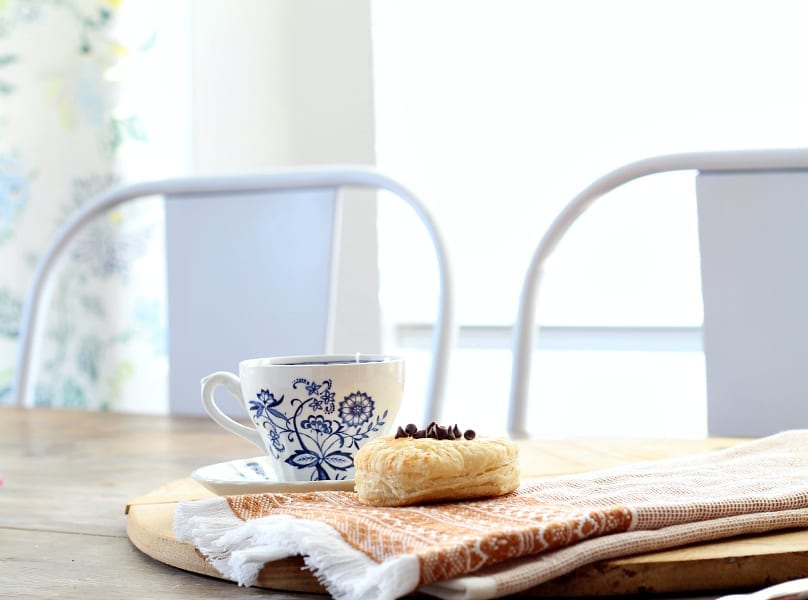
{"x":255,"y":476}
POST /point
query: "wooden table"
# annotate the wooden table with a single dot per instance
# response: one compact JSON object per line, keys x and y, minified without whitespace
{"x":69,"y":476}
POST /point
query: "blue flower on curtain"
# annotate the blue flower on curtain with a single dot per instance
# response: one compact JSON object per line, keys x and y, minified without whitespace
{"x":13,"y":195}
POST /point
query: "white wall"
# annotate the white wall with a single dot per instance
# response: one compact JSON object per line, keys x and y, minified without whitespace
{"x":281,"y":83}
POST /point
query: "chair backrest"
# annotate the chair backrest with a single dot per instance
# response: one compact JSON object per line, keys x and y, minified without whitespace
{"x":269,"y":256}
{"x":722,"y":362}
{"x":197,"y":295}
{"x":753,"y":246}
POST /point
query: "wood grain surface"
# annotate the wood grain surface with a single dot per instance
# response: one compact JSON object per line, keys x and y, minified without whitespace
{"x":69,"y":476}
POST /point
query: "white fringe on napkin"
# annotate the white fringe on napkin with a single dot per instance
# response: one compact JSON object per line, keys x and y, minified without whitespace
{"x":239,"y":549}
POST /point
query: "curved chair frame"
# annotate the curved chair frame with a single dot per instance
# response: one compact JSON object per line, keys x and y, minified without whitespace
{"x":524,"y":327}
{"x":286,"y":179}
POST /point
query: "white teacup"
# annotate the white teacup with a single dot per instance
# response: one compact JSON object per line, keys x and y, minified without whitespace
{"x":312,"y":413}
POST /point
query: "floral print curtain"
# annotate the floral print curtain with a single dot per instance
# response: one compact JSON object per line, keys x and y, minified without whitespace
{"x":64,"y":133}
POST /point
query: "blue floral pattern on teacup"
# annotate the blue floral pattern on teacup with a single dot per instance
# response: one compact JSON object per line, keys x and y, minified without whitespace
{"x":326,"y":436}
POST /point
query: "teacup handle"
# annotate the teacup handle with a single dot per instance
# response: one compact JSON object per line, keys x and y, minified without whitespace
{"x":233,"y":385}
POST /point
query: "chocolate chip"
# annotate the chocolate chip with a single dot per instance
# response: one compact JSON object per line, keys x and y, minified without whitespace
{"x":435,"y":431}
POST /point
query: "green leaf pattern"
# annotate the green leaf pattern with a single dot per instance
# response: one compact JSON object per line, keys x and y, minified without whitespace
{"x":60,"y":136}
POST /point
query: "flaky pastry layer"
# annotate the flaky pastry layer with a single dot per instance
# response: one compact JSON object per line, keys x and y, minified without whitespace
{"x":403,"y":471}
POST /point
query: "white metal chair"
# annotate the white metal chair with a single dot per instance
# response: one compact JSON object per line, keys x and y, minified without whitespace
{"x":194,"y":353}
{"x":746,"y":365}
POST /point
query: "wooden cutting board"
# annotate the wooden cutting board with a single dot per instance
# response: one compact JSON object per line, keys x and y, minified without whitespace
{"x":746,"y":562}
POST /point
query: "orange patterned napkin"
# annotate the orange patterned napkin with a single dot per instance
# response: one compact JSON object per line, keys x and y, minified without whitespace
{"x":493,"y":547}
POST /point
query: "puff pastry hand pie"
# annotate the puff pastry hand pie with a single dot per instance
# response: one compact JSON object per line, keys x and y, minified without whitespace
{"x":408,"y":470}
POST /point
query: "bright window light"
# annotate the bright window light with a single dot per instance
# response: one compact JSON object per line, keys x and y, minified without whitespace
{"x":498,"y":113}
